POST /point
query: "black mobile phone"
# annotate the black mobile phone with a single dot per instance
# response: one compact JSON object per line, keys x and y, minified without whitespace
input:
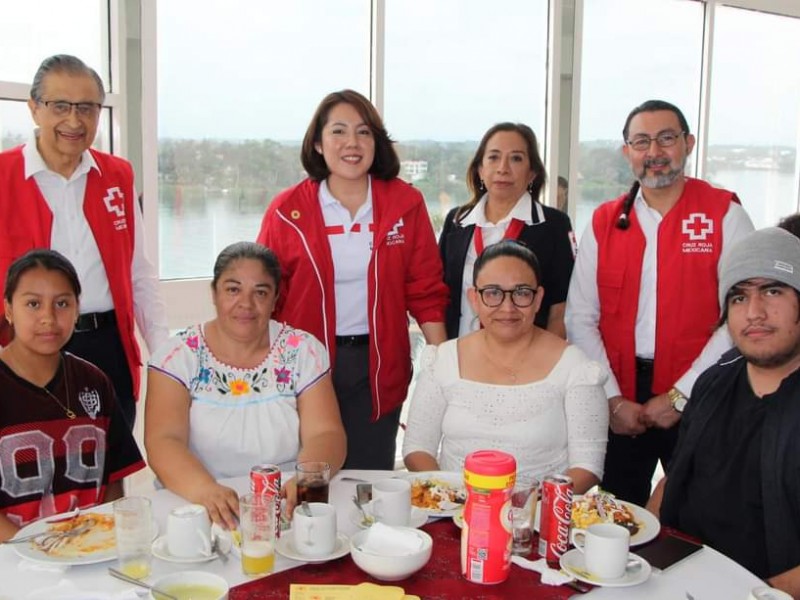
{"x":667,"y":551}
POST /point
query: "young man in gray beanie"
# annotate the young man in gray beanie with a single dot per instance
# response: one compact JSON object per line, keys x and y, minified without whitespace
{"x":734,"y":481}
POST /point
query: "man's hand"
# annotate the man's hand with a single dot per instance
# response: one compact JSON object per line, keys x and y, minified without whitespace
{"x":624,"y":416}
{"x":658,"y":412}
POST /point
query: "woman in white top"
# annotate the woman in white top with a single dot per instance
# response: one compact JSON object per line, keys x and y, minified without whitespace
{"x":239,"y":390}
{"x":510,"y":386}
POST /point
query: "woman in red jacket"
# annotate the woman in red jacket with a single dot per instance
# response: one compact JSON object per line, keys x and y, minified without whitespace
{"x":359,"y":254}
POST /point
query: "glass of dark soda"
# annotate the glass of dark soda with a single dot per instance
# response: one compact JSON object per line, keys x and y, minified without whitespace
{"x":313,"y":481}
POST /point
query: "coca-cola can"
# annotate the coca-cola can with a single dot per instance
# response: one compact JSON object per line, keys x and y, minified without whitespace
{"x":556,"y":517}
{"x":265,"y":480}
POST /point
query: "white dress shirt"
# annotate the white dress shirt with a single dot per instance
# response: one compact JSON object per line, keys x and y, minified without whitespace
{"x":72,"y":237}
{"x":492,"y":233}
{"x":583,"y":304}
{"x":350,"y":239}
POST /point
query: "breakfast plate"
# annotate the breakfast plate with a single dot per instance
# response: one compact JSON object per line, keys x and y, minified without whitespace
{"x":574,"y":564}
{"x":644,"y":523}
{"x":438,"y":493}
{"x":97,"y":544}
{"x":285,"y":547}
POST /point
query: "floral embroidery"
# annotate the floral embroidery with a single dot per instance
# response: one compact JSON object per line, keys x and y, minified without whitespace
{"x":192,"y":342}
{"x":239,"y":387}
{"x":283,"y":375}
{"x":204,"y":375}
{"x":293,"y":340}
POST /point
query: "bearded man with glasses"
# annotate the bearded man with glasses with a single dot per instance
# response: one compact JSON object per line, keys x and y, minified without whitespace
{"x":57,"y":192}
{"x":642,"y":298}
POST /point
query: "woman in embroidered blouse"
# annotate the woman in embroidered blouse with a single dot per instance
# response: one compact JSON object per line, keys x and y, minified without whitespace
{"x":506,"y":177}
{"x":510,"y":386}
{"x":239,"y":390}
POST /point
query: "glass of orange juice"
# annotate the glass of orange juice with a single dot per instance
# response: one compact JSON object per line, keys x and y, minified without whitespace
{"x":133,"y":524}
{"x":257,"y":526}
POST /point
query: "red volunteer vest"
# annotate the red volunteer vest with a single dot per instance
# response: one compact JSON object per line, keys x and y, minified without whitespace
{"x":687,"y":308}
{"x":108,"y":206}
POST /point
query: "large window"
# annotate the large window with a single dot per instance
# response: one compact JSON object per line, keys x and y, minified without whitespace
{"x":755,"y":111}
{"x":453,"y":69}
{"x":238,"y":82}
{"x":630,"y":54}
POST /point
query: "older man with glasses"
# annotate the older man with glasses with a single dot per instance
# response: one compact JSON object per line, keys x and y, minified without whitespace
{"x":643,"y":295}
{"x":57,"y":192}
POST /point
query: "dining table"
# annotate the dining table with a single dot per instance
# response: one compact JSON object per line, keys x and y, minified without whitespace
{"x":705,"y":575}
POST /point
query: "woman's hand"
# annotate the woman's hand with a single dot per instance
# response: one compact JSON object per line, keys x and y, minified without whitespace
{"x":222,"y":504}
{"x":289,"y":491}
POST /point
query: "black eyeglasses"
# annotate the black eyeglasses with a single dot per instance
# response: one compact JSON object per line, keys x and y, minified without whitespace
{"x":61,"y":108}
{"x":493,"y":296}
{"x":665,"y":139}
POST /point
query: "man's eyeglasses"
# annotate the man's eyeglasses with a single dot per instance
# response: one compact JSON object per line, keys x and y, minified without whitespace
{"x":522,"y":296}
{"x":665,"y":139}
{"x":61,"y":108}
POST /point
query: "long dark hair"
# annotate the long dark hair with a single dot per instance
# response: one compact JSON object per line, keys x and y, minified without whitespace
{"x":474,"y":178}
{"x":40,"y":258}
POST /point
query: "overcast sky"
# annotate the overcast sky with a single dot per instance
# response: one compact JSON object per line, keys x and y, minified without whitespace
{"x":257,"y":69}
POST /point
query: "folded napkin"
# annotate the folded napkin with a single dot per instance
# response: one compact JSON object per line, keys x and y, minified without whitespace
{"x":66,"y":590}
{"x":391,"y":541}
{"x":549,"y":576}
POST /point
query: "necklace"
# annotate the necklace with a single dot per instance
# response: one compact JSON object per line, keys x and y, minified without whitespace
{"x":67,"y":409}
{"x":512,"y":373}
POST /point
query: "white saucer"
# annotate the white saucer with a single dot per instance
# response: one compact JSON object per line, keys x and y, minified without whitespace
{"x":161,"y":550}
{"x":417,"y":519}
{"x":285,"y":547}
{"x":573,"y":563}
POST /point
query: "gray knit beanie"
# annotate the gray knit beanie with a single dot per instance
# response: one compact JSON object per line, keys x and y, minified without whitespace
{"x":771,"y":253}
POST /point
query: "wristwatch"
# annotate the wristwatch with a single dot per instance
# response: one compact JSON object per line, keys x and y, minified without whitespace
{"x":677,"y":399}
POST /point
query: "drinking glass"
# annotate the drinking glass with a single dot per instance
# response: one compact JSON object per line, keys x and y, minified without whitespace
{"x":523,"y":510}
{"x":313,"y":481}
{"x":257,"y":525}
{"x":133,"y":522}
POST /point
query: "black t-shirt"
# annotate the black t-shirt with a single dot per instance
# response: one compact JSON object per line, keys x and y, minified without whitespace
{"x":723,"y":504}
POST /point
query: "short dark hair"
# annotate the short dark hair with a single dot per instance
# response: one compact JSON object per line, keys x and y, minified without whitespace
{"x":40,"y":258}
{"x":385,"y":165}
{"x":63,"y":63}
{"x":510,"y":248}
{"x":247,"y":250}
{"x":653,"y":106}
{"x":537,"y":166}
{"x":791,"y":224}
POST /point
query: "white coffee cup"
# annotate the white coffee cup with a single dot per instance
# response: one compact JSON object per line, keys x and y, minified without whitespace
{"x":315,"y":535}
{"x":189,"y":531}
{"x":391,"y":501}
{"x":605,"y":549}
{"x":764,"y":592}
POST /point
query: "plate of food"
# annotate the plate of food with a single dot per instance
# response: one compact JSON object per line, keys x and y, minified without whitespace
{"x":85,"y":538}
{"x":438,"y":493}
{"x":605,"y":508}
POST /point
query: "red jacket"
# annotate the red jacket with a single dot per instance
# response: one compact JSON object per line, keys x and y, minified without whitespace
{"x":108,"y":206}
{"x":687,"y":308}
{"x":404,"y":275}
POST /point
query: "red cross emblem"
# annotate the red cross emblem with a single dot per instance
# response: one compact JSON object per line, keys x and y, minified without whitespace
{"x":115,"y":201}
{"x":697,"y":226}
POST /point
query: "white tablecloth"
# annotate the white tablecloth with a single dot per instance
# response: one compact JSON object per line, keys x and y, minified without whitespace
{"x":706,"y":575}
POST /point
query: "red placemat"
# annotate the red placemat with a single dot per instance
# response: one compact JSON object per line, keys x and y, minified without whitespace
{"x":440,"y":579}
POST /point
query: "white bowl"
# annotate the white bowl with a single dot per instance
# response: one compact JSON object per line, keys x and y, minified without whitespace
{"x":191,"y":578}
{"x":390,"y":568}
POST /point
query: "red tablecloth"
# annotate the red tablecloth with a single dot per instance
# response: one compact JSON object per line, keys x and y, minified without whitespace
{"x":440,"y":579}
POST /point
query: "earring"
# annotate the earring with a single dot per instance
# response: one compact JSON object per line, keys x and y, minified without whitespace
{"x":482,"y":186}
{"x":530,"y":188}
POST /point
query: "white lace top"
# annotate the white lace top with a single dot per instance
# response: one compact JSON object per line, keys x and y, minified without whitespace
{"x":243,"y":417}
{"x":549,"y":425}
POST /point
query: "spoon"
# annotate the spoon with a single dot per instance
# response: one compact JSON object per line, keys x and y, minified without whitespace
{"x":157,"y":593}
{"x":366,"y":520}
